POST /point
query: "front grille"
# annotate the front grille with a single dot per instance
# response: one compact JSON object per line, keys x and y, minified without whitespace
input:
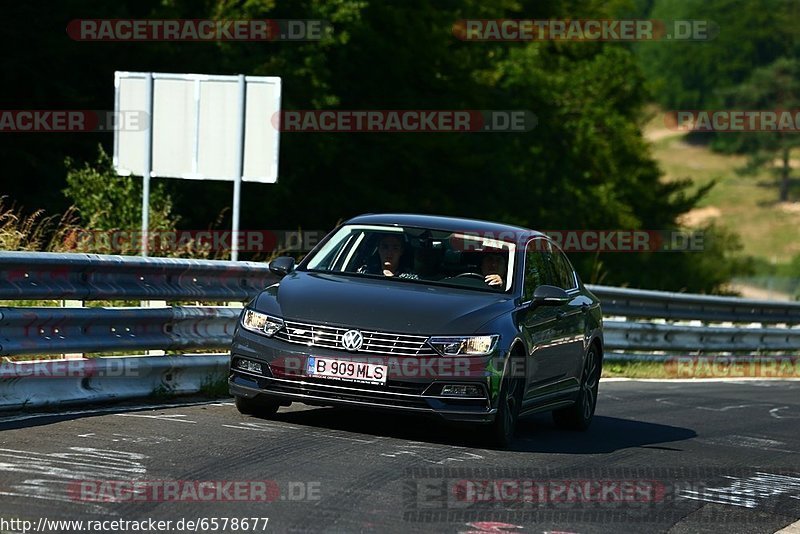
{"x":316,"y":335}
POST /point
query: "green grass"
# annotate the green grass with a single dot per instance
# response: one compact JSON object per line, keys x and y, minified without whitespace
{"x":215,"y":387}
{"x":745,"y":204}
{"x":630,"y":369}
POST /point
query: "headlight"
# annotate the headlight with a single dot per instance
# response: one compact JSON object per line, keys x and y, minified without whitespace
{"x":464,"y":345}
{"x":261,"y":322}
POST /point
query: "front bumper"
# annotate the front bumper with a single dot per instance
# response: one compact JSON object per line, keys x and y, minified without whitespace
{"x":284,"y":379}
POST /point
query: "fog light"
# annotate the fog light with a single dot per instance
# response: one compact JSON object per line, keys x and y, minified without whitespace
{"x":458,"y":390}
{"x":247,"y":365}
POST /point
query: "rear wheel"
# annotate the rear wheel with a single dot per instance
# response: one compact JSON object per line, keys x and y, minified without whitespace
{"x":502,"y":430}
{"x":256,"y":406}
{"x":579,"y":416}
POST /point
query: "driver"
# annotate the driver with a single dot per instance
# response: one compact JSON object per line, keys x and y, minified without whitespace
{"x":391,"y":252}
{"x":492,"y":264}
{"x":390,"y":249}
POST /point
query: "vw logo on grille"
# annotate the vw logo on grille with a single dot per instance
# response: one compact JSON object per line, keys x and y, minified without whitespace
{"x":352,"y":340}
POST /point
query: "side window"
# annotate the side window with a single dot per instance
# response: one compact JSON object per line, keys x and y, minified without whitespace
{"x":538,"y":267}
{"x":564,"y":272}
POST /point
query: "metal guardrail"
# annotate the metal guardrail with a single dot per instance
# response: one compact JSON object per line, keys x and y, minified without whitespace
{"x":67,"y":330}
{"x":55,"y":383}
{"x":638,"y":303}
{"x":44,"y":275}
{"x":655,"y":322}
{"x":632,"y":336}
{"x":640,"y":324}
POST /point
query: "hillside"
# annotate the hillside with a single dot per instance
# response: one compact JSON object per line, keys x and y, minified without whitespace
{"x":745,"y":204}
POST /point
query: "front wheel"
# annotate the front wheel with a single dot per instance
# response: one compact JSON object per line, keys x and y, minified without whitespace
{"x":579,"y":416}
{"x":256,"y":406}
{"x":502,"y":430}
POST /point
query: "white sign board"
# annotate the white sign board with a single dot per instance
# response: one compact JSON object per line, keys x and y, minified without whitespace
{"x":195,"y":126}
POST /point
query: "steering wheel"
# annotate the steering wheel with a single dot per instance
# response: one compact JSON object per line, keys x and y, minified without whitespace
{"x":471,"y":275}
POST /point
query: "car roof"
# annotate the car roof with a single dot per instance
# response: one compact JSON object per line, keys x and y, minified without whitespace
{"x":438,"y":222}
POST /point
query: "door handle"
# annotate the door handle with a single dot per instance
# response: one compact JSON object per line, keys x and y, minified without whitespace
{"x":560,"y":315}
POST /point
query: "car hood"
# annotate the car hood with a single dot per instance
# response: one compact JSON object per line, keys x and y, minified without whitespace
{"x":379,"y":304}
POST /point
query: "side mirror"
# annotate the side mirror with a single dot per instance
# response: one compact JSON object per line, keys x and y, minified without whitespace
{"x":282,"y":266}
{"x":549,"y":296}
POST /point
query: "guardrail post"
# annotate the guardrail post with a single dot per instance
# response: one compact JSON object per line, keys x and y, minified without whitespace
{"x":154,"y":304}
{"x":73,"y":304}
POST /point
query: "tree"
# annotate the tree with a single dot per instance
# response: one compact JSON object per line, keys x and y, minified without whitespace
{"x":774,"y":87}
{"x":691,"y":74}
{"x":584,"y":166}
{"x":107,"y":202}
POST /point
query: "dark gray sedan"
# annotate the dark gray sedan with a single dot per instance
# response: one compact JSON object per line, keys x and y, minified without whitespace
{"x":468,"y":320}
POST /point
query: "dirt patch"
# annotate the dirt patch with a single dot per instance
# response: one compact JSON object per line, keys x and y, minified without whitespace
{"x":793,"y":163}
{"x":699,"y":216}
{"x":662,"y":133}
{"x":789,"y":207}
{"x":759,"y":293}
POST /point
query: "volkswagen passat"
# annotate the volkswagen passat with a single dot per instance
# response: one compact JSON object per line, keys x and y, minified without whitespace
{"x":468,"y":320}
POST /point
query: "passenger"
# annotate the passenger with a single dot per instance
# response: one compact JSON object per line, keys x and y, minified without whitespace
{"x":492,"y":264}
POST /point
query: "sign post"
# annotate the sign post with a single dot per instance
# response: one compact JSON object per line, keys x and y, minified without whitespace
{"x":200,"y":127}
{"x":148,"y":163}
{"x":237,"y":179}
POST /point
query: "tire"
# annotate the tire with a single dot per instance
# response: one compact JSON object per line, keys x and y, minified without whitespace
{"x":579,"y":416}
{"x":256,"y":406}
{"x":501,"y":431}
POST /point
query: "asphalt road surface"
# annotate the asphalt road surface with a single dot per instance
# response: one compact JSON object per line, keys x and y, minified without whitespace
{"x":660,"y":456}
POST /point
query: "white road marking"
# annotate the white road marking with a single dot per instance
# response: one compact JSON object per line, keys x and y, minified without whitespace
{"x":775,"y":412}
{"x":109,"y":409}
{"x":752,"y":442}
{"x":261,"y":427}
{"x":56,"y":473}
{"x":163,"y":417}
{"x":733,"y":407}
{"x":794,"y":528}
{"x":145,"y":440}
{"x":282,"y":427}
{"x":747,"y":492}
{"x":429,"y":454}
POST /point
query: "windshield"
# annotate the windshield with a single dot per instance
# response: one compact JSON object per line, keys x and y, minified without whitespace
{"x":419,"y":255}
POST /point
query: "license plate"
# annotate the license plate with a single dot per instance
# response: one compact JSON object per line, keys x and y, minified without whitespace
{"x":368,"y":373}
